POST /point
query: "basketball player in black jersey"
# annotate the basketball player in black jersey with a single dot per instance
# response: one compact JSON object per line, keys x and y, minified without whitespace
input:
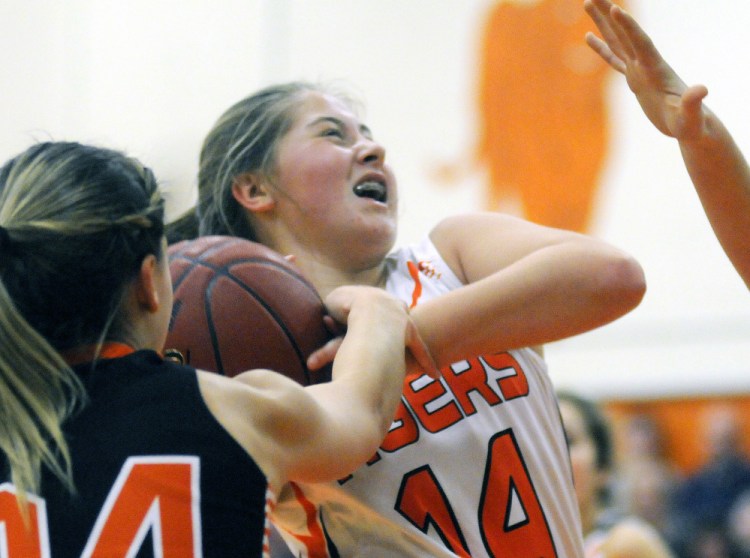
{"x":106,"y":448}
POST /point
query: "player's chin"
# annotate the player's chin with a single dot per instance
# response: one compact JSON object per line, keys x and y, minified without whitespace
{"x":382,"y":227}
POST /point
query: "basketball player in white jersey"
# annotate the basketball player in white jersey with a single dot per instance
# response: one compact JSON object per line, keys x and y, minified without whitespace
{"x":475,"y":464}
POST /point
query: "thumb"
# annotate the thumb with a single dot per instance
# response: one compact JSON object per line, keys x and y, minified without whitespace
{"x":418,"y":355}
{"x":692,"y":100}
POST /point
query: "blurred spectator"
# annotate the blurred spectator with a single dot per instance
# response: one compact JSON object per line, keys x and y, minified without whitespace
{"x":708,"y":541}
{"x":607,"y":532}
{"x":738,"y":525}
{"x":704,"y":499}
{"x":646,"y":480}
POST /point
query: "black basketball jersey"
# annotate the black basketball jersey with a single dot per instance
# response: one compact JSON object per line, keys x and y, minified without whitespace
{"x":155,"y":473}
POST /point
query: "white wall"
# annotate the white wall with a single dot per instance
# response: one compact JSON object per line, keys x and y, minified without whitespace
{"x":151,"y":76}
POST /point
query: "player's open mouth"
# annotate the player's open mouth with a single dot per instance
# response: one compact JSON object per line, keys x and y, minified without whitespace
{"x":371,"y":189}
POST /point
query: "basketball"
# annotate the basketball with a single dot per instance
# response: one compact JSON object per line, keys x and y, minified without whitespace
{"x":239,"y":305}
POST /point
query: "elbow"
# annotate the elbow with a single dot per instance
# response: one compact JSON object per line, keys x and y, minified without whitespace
{"x":623,"y":284}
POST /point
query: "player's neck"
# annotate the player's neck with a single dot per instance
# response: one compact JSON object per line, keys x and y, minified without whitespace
{"x":326,"y":278}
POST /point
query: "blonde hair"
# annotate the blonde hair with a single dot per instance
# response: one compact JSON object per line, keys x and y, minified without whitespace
{"x":244,"y":139}
{"x":75,"y":224}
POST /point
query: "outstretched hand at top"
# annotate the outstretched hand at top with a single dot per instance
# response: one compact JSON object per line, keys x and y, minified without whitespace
{"x":674,"y":108}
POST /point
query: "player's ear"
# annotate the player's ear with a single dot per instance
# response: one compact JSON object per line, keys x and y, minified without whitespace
{"x":146,"y":291}
{"x":252,"y":192}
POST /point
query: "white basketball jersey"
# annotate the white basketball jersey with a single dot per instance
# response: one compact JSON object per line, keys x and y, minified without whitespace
{"x":475,"y":464}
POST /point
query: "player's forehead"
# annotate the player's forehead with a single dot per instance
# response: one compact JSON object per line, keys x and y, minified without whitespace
{"x":318,"y":107}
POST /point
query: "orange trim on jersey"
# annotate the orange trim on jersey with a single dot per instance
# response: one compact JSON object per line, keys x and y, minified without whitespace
{"x":87,"y":353}
{"x":417,"y":292}
{"x":315,"y":542}
{"x":270,"y":505}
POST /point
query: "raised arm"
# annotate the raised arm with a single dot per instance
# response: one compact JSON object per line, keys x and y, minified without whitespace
{"x":713,"y":160}
{"x":525,"y":285}
{"x":324,"y":432}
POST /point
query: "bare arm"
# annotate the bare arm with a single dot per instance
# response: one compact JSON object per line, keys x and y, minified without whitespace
{"x":714,"y":162}
{"x":323,"y":432}
{"x":526,"y":285}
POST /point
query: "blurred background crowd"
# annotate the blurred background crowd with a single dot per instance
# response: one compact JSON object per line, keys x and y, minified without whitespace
{"x":684,"y":468}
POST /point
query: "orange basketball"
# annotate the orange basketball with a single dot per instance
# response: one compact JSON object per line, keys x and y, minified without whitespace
{"x":239,"y":305}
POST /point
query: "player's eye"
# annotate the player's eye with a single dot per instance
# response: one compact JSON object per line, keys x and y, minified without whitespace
{"x":332,"y":132}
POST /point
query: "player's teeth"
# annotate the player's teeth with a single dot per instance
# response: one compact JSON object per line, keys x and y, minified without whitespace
{"x":371,"y":189}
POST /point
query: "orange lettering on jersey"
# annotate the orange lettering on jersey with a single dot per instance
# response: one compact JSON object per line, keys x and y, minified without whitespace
{"x":374,"y":459}
{"x":511,"y":379}
{"x":433,"y":406}
{"x":511,"y":518}
{"x":404,"y":431}
{"x":432,"y":403}
{"x":22,"y":537}
{"x":423,"y":503}
{"x":160,"y":495}
{"x":469,"y":376}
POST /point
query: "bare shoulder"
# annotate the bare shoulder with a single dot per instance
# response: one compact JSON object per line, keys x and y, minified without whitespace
{"x":457,"y":237}
{"x":634,"y":538}
{"x":469,"y":224}
{"x":477,"y":244}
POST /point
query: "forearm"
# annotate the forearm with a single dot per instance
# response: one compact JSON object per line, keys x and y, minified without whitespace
{"x":553,"y":293}
{"x":369,"y":365}
{"x":348,"y":417}
{"x":721,"y":178}
{"x":368,"y":369}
